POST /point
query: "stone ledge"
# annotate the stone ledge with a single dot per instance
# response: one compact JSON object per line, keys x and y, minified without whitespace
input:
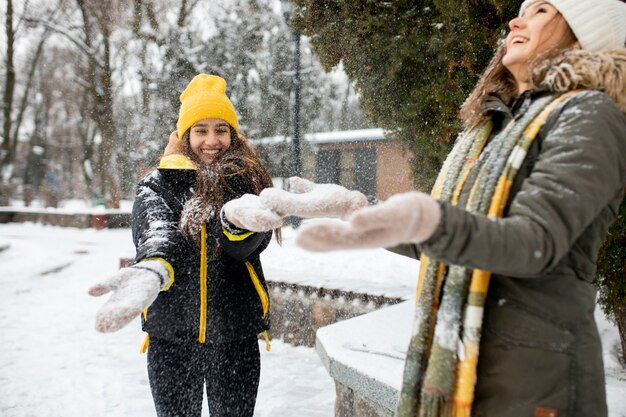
{"x":365,"y":356}
{"x":297,"y":311}
{"x":85,"y":219}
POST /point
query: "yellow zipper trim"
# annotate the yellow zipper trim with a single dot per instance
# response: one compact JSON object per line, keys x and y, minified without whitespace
{"x":267,"y":340}
{"x":234,"y":237}
{"x":265,"y":301}
{"x":144,"y":346}
{"x":203,"y":286}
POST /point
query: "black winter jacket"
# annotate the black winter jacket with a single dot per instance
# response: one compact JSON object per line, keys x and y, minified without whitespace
{"x":233,"y":302}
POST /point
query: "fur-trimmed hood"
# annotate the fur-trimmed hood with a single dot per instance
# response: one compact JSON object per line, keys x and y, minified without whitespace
{"x":576,"y":68}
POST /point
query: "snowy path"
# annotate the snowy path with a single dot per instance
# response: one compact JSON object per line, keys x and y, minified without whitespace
{"x":52,"y":362}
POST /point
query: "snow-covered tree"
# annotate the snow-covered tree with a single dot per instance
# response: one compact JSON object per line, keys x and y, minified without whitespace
{"x":110,"y":75}
{"x":18,"y":81}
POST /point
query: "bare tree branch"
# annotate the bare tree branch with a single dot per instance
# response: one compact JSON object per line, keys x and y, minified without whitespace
{"x":67,"y":33}
{"x":138,"y":6}
{"x":154,"y":22}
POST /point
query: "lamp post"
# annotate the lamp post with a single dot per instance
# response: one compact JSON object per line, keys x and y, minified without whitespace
{"x":296,"y":168}
{"x":297,"y":163}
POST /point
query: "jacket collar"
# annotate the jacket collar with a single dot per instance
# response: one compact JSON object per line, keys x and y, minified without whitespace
{"x":502,"y":111}
{"x":177,"y":162}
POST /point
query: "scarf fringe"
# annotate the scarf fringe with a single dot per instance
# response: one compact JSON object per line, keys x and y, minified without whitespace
{"x":434,"y":405}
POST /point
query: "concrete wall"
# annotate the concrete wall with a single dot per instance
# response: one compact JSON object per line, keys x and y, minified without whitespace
{"x":79,"y":220}
{"x":349,"y":403}
{"x":393,"y":170}
{"x":297,"y":311}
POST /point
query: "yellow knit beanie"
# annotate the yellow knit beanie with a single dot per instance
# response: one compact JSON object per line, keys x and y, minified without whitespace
{"x":205,"y":98}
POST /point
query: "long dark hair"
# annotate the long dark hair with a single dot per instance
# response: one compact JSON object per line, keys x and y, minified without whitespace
{"x":211,"y":183}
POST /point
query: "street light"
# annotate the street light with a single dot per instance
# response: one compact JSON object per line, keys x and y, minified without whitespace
{"x":287,"y":8}
{"x":296,"y":168}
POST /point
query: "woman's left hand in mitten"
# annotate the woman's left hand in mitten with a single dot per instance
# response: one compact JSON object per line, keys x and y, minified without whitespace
{"x":248,"y":212}
{"x":404,"y":218}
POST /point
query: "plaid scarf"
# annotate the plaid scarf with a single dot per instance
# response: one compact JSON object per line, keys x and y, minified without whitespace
{"x":440,"y":367}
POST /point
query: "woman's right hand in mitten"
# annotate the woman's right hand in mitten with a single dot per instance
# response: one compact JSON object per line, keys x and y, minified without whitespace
{"x":134,"y":289}
{"x":308,"y":199}
{"x":174,"y":145}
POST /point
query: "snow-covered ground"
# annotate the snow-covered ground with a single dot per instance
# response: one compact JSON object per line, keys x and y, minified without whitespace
{"x":53,"y":363}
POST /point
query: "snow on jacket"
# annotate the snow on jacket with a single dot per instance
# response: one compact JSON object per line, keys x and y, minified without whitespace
{"x":540,"y":346}
{"x":233,"y":302}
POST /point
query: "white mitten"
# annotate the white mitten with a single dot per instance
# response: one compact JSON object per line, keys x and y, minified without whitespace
{"x":309,"y":199}
{"x":174,"y":145}
{"x":404,"y":218}
{"x":133,"y":288}
{"x":247,"y":212}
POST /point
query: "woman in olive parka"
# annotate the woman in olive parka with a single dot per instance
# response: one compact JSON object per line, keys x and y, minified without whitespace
{"x":197,"y":278}
{"x":508,"y":238}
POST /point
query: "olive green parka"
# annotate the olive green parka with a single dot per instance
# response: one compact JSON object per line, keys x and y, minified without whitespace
{"x":540,"y":350}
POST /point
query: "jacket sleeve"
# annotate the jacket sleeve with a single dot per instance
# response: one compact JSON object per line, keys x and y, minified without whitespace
{"x":580,"y":171}
{"x":155,"y":226}
{"x":406,"y":249}
{"x":244,"y":246}
{"x":239,"y":244}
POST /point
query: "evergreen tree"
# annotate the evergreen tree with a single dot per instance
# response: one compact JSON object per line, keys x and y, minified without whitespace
{"x":610,"y":275}
{"x":413,"y":63}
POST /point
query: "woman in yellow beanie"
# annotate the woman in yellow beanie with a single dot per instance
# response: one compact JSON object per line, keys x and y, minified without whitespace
{"x":197,"y":280}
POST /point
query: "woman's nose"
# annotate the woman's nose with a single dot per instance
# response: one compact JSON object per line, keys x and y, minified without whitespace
{"x":211,"y":138}
{"x":516,"y":23}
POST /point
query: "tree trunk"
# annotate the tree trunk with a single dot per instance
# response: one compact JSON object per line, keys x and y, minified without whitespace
{"x":107,"y":126}
{"x":6,"y":156}
{"x":101,"y":81}
{"x":27,"y":92}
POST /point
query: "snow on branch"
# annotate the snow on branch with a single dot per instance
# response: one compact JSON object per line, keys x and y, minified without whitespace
{"x":90,"y":51}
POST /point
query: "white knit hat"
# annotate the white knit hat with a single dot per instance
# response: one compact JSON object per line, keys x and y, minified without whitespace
{"x":597,"y":24}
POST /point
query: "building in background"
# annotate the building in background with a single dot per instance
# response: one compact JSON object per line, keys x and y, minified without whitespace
{"x":363,"y":160}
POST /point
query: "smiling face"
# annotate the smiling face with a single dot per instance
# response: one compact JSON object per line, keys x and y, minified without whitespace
{"x":209,"y":138}
{"x":540,"y":29}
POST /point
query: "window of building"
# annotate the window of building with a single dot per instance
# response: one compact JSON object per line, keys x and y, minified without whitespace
{"x":354,"y":168}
